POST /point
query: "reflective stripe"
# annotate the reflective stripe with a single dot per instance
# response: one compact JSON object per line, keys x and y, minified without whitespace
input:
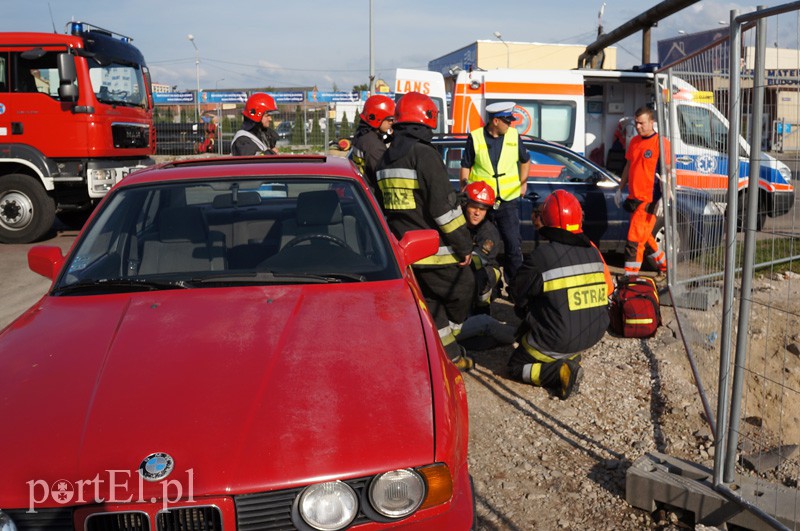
{"x":566,"y":271}
{"x":446,"y":335}
{"x":476,"y":261}
{"x":444,"y":256}
{"x":634,"y":266}
{"x":574,"y":281}
{"x":257,"y":141}
{"x":453,"y":225}
{"x":527,"y":343}
{"x":638,"y":321}
{"x":447,"y":217}
{"x":528,"y":371}
{"x":405,"y":184}
{"x":397,"y":173}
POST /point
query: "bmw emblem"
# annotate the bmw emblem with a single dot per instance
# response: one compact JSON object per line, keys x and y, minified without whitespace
{"x":156,"y":467}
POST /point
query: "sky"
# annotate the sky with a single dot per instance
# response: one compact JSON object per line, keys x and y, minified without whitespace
{"x":282,"y":44}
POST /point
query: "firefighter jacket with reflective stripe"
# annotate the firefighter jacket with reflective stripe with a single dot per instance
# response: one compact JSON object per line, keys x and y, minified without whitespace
{"x":486,"y":244}
{"x":562,"y":290}
{"x":368,"y":148}
{"x":416,"y":194}
{"x":506,"y":181}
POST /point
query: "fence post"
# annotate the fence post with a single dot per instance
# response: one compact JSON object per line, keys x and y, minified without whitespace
{"x":726,"y":335}
{"x":749,"y":247}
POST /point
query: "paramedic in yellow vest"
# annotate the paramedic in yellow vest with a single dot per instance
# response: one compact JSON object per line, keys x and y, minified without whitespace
{"x":494,"y":155}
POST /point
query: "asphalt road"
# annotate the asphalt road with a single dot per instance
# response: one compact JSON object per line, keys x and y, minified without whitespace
{"x":20,"y":286}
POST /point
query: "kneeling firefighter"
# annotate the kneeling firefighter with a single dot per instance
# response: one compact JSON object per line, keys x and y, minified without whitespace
{"x":562,"y":294}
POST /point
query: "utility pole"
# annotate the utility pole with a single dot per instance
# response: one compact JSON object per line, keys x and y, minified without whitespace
{"x":371,"y":56}
{"x":197,"y":74}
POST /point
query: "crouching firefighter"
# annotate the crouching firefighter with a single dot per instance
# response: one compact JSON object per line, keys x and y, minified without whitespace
{"x":486,"y":243}
{"x":562,"y":294}
{"x":416,"y":193}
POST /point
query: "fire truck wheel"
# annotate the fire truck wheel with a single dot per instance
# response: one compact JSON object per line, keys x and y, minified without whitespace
{"x":26,"y":211}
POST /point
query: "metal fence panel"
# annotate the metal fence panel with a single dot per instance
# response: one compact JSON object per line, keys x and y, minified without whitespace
{"x":739,"y":302}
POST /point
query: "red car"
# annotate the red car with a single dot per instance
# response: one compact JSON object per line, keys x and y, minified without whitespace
{"x":233,"y":344}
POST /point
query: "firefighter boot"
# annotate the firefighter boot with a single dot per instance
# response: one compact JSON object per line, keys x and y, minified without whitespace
{"x":464,"y":362}
{"x":570,"y":375}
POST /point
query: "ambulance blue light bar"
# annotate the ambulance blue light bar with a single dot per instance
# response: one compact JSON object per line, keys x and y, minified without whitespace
{"x":77,"y":27}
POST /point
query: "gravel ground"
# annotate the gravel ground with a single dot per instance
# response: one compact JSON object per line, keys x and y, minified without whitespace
{"x":542,"y":463}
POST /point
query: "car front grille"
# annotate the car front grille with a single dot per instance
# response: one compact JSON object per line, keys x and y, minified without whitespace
{"x":272,"y":511}
{"x":130,"y":135}
{"x":178,"y":519}
{"x":59,"y":519}
{"x":190,"y":519}
{"x":127,"y":521}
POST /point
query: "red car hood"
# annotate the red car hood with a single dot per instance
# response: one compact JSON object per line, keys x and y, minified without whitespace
{"x":251,"y":388}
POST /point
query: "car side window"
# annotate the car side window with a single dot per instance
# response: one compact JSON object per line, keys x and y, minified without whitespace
{"x":452,"y":159}
{"x":551,"y":165}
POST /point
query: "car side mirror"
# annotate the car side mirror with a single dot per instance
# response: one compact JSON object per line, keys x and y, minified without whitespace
{"x":419,"y":244}
{"x":45,"y":260}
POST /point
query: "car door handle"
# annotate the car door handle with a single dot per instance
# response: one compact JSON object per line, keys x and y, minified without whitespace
{"x":532,"y":196}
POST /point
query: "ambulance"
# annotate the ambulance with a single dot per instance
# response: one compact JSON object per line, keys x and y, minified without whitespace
{"x":591,"y":112}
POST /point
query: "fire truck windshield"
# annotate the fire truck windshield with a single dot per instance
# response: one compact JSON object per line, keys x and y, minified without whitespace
{"x":118,"y":84}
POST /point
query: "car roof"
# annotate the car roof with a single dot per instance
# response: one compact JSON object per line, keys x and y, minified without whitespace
{"x":462,"y":137}
{"x":233,"y":167}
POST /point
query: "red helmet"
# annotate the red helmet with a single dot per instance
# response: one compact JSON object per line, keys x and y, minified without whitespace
{"x":481,"y":193}
{"x":377,"y":109}
{"x":416,"y":108}
{"x":258,"y":104}
{"x":563,"y":211}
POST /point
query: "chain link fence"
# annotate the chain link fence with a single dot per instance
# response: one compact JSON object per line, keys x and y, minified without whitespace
{"x":305,"y":127}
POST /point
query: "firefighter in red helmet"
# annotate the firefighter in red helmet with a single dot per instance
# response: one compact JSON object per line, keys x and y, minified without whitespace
{"x":415,"y":193}
{"x":562,"y":293}
{"x":256,"y":137}
{"x":486,"y":242}
{"x":372,"y":136}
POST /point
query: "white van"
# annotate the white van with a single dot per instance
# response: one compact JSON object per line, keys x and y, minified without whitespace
{"x":591,"y":112}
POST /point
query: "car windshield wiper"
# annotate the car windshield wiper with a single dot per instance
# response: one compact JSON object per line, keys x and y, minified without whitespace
{"x":119,"y":285}
{"x":269,"y":277}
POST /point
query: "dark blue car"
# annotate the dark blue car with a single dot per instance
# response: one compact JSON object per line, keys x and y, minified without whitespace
{"x":700,"y":220}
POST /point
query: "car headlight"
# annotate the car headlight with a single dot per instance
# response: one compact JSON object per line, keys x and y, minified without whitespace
{"x":397,"y":494}
{"x":328,"y":506}
{"x":713,"y":208}
{"x":786,"y":173}
{"x":6,"y":523}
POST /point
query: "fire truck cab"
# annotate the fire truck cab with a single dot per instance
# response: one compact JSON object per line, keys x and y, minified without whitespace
{"x":76,"y":114}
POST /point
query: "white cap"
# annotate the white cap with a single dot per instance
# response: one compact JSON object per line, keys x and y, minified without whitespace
{"x":501,"y":109}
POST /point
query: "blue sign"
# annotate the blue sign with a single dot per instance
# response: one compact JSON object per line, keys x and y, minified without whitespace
{"x":288,"y":97}
{"x":223,"y":97}
{"x":172,"y":97}
{"x":315,"y":96}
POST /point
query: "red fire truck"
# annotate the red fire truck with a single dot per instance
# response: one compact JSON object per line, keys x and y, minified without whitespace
{"x":76,"y":115}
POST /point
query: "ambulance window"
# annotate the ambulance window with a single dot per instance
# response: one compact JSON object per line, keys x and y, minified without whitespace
{"x":549,"y":120}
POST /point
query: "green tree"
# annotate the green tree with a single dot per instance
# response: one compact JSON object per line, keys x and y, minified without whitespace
{"x":297,"y":128}
{"x":315,"y":138}
{"x":356,"y":121}
{"x":331,"y":130}
{"x":345,"y":131}
{"x":361,"y":87}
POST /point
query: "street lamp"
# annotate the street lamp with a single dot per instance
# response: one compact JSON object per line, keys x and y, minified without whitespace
{"x":508,"y":50}
{"x":197,"y":74}
{"x":216,"y":83}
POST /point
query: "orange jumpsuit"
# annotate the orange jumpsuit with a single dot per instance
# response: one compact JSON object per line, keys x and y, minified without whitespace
{"x":642,"y":156}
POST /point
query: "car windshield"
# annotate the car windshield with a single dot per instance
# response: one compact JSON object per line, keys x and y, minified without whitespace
{"x":184,"y":234}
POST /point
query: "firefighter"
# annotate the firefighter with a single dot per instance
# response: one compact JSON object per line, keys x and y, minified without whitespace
{"x":255,"y":137}
{"x":561,"y":292}
{"x":644,"y":191}
{"x":416,"y":193}
{"x":486,"y":242}
{"x":494,"y":154}
{"x":372,"y":136}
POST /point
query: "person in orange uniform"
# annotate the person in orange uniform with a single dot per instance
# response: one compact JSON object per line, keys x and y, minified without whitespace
{"x":644,"y":191}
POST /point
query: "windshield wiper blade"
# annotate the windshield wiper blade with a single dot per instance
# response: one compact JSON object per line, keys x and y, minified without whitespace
{"x":269,"y":277}
{"x":121,"y":285}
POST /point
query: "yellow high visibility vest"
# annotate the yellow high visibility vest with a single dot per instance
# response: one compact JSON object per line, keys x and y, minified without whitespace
{"x":506,"y":186}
